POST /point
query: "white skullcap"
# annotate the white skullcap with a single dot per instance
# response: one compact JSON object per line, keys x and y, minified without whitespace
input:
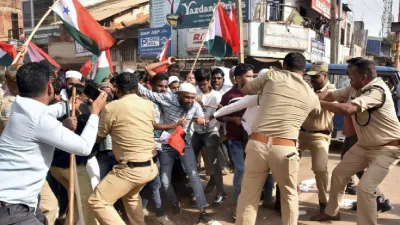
{"x":232,"y":70}
{"x":73,"y":74}
{"x":172,"y":79}
{"x":129,"y":70}
{"x":187,"y":87}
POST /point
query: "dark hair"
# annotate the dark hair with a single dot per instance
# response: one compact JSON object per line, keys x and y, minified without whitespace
{"x":202,"y":74}
{"x":353,"y":61}
{"x":172,"y":66}
{"x":141,"y":75}
{"x":295,"y":61}
{"x":242,"y":68}
{"x":112,"y":80}
{"x":160,"y":77}
{"x":106,"y":79}
{"x":32,"y":79}
{"x":367,"y":67}
{"x":57,"y":85}
{"x":217,"y":71}
{"x":127,"y":82}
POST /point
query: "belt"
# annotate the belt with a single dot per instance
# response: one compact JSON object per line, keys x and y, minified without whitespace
{"x":393,"y":143}
{"x":275,"y":141}
{"x":139,"y":164}
{"x":326,"y":132}
{"x":3,"y":204}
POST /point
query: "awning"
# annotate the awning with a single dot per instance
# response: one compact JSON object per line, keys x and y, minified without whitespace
{"x":111,"y":8}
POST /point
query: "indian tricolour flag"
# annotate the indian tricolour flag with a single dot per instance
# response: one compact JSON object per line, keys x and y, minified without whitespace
{"x":83,"y":27}
{"x":7,"y":54}
{"x":104,"y":67}
{"x":220,"y":39}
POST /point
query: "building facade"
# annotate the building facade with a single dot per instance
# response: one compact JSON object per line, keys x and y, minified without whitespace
{"x":10,"y":19}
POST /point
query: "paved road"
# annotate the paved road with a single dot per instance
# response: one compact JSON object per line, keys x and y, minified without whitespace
{"x":308,"y":201}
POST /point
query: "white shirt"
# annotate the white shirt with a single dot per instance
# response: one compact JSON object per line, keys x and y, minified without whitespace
{"x":225,"y":88}
{"x":249,"y":102}
{"x":211,"y":99}
{"x":27,"y":145}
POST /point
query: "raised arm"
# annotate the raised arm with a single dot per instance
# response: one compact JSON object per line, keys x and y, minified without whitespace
{"x":247,"y":101}
{"x":159,"y":98}
{"x":151,"y":68}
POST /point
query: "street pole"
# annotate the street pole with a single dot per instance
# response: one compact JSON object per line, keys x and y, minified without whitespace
{"x":339,"y":31}
{"x":333,"y":32}
{"x":240,"y":18}
{"x":397,"y":43}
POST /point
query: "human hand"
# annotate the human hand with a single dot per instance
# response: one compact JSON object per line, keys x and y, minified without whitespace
{"x":70,"y":123}
{"x":181,"y":122}
{"x":22,"y":49}
{"x":171,"y":60}
{"x":199,"y":120}
{"x":99,"y":103}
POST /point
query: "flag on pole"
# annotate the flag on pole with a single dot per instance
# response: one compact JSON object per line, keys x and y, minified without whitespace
{"x":7,"y":54}
{"x":220,"y":39}
{"x":234,"y":31}
{"x":104,"y":67}
{"x":83,"y":27}
{"x":35,"y":54}
{"x":86,"y":68}
{"x":163,"y":56}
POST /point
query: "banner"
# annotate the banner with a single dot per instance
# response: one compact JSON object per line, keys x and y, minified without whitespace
{"x":323,"y":7}
{"x":190,"y":13}
{"x":152,"y":40}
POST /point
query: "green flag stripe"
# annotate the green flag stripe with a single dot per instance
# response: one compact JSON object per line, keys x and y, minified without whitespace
{"x":101,"y":74}
{"x":6,"y":60}
{"x":218,"y":48}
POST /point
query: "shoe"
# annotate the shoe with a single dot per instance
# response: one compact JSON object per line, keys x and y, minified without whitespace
{"x":322,"y":206}
{"x":205,"y":219}
{"x":176,"y":208}
{"x":219,"y":199}
{"x":163,"y":220}
{"x":148,"y":214}
{"x":354,"y":207}
{"x":324,"y":217}
{"x":268,"y":204}
{"x":209,"y":188}
{"x":351,"y":190}
{"x":225,"y":171}
{"x":233,"y":210}
{"x":277,"y":208}
{"x":385,"y":206}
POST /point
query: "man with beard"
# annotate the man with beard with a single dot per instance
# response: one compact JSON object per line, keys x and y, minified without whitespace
{"x":218,"y":81}
{"x":315,"y":133}
{"x":368,"y":101}
{"x":175,"y":107}
{"x":71,"y":78}
{"x":27,"y":155}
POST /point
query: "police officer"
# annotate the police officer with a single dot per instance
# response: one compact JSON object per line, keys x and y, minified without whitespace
{"x":316,"y":130}
{"x":285,"y":102}
{"x":368,"y":100}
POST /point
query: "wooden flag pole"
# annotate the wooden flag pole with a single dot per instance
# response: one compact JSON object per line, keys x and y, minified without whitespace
{"x":202,"y":41}
{"x":34,"y":30}
{"x":72,"y":169}
{"x":240,"y":18}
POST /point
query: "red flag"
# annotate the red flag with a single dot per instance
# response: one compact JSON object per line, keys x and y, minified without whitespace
{"x":36,"y":54}
{"x":176,"y":140}
{"x":7,"y":54}
{"x":163,"y":56}
{"x":86,"y":68}
{"x":235,"y":33}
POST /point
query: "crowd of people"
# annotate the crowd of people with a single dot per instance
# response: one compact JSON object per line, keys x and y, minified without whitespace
{"x":258,"y":128}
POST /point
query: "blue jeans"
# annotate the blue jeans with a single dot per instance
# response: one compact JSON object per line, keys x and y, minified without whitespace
{"x":167,"y":159}
{"x":152,"y":190}
{"x":236,"y":147}
{"x":268,"y":187}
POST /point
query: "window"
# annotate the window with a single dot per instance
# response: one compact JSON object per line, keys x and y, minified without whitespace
{"x":40,"y":8}
{"x":27,"y":14}
{"x":14,"y":26}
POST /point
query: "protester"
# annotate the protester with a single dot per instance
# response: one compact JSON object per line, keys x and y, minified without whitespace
{"x":378,"y":133}
{"x":42,"y":133}
{"x":173,"y":68}
{"x":190,"y":78}
{"x":174,"y":83}
{"x":71,"y":78}
{"x":218,"y":81}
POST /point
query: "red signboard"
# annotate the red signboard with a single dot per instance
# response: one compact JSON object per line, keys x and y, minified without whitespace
{"x":323,"y":7}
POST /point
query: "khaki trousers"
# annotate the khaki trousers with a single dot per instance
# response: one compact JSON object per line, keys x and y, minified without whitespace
{"x":126,"y":183}
{"x":284,"y":163}
{"x":318,"y":145}
{"x":62,"y":175}
{"x":378,"y":162}
{"x":48,"y":203}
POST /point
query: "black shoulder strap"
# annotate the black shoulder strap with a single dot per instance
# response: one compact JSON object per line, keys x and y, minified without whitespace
{"x":376,"y":87}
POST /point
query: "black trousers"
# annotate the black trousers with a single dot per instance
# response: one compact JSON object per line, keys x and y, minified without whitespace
{"x":20,"y":215}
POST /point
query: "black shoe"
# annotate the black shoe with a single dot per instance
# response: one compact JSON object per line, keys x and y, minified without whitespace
{"x":209,"y":188}
{"x":354,"y":207}
{"x":176,"y":208}
{"x":205,"y":219}
{"x":351,"y":190}
{"x":385,"y":206}
{"x":322,"y":206}
{"x":219,"y":199}
{"x":277,"y":208}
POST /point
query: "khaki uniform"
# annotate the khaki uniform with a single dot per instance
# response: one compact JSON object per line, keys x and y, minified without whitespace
{"x":377,"y":149}
{"x":286,"y":101}
{"x":129,"y":121}
{"x":317,"y":143}
{"x":5,"y":110}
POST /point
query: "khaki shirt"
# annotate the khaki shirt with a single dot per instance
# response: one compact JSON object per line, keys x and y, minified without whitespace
{"x":129,"y":121}
{"x":5,"y":111}
{"x":320,"y":120}
{"x":384,"y":127}
{"x":286,"y":100}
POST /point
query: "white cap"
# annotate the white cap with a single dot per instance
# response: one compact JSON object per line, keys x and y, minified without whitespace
{"x":129,"y":70}
{"x":187,"y":87}
{"x":73,"y":74}
{"x":172,"y":79}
